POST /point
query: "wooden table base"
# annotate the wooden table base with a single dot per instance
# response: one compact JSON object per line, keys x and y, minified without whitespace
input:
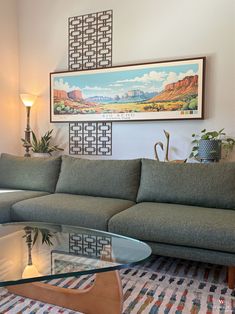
{"x":104,"y":297}
{"x":231,"y":277}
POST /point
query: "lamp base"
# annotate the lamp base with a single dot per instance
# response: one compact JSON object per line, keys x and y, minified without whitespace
{"x":27,"y":132}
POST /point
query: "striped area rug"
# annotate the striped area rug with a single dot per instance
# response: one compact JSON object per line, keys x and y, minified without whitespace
{"x":160,"y":286}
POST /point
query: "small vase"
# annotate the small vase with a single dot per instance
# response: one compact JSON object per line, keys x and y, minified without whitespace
{"x":209,"y":150}
{"x":42,"y":155}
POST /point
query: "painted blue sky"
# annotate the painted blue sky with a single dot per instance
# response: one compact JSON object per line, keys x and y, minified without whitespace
{"x":152,"y":79}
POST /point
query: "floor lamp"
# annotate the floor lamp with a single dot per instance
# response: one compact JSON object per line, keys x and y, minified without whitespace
{"x":28,"y":100}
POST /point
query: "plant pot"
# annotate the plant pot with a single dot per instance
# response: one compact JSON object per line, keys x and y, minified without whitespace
{"x":209,"y":150}
{"x":42,"y":155}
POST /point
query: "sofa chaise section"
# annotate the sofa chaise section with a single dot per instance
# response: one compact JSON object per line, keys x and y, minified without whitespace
{"x":182,"y":231}
{"x":184,"y":206}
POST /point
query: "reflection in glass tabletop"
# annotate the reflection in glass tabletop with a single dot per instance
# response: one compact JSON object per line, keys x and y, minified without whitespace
{"x":32,"y":252}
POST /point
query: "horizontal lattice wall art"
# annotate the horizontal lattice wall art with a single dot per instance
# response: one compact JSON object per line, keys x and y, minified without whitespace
{"x":90,"y":138}
{"x":90,"y":245}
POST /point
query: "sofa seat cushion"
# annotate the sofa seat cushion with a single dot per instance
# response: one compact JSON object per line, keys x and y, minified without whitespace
{"x":10,"y":197}
{"x":80,"y":210}
{"x":190,"y":226}
{"x":23,"y":173}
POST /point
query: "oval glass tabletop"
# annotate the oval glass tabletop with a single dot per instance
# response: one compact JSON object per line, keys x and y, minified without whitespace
{"x":38,"y":251}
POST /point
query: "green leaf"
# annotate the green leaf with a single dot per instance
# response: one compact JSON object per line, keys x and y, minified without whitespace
{"x":214,"y":134}
{"x":229,"y":139}
{"x":35,"y":235}
{"x":35,"y":143}
{"x":42,"y":145}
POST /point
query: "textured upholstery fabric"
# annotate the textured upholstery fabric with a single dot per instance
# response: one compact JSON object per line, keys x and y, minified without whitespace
{"x":106,"y":178}
{"x":192,"y":226}
{"x":9,"y":198}
{"x":39,"y":174}
{"x":84,"y":211}
{"x":195,"y":254}
{"x":209,"y":185}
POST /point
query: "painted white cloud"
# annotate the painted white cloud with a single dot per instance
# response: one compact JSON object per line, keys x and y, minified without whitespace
{"x":61,"y":85}
{"x":173,"y":77}
{"x":188,"y":73}
{"x":146,"y":88}
{"x":153,"y":89}
{"x":139,"y":86}
{"x":96,"y":88}
{"x":148,"y":77}
{"x":116,"y":85}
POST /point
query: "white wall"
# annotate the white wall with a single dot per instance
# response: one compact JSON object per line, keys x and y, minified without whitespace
{"x":143,"y":31}
{"x":9,"y":102}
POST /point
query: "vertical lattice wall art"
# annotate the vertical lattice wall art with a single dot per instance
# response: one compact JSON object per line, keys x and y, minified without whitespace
{"x":90,"y":41}
{"x":90,"y":47}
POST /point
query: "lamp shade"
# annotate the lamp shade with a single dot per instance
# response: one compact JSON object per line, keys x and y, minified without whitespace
{"x":28,"y":99}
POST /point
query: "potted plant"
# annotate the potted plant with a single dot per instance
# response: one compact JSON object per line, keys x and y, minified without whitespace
{"x":46,"y":236}
{"x":41,"y":147}
{"x":208,"y":145}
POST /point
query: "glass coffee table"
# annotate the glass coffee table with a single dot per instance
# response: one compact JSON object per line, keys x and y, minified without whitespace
{"x":31,"y":253}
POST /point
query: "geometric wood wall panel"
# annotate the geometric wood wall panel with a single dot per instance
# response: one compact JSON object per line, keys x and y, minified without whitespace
{"x":90,"y":138}
{"x":90,"y":47}
{"x":90,"y":41}
{"x":90,"y":245}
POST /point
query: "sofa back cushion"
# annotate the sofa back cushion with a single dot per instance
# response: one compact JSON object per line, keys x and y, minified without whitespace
{"x":39,"y":174}
{"x":106,"y":178}
{"x":208,"y":185}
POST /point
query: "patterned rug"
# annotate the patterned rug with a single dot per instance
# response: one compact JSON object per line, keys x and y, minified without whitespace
{"x":160,"y":286}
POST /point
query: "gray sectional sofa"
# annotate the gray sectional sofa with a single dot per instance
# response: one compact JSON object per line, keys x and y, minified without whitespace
{"x":181,"y":210}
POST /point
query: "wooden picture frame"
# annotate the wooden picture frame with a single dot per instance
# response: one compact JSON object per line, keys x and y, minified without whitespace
{"x":166,"y":90}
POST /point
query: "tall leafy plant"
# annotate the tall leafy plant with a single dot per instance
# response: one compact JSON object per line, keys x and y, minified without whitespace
{"x":227,"y":143}
{"x":46,"y":235}
{"x":42,"y":145}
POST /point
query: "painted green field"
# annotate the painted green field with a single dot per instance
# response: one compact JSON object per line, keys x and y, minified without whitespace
{"x":84,"y":108}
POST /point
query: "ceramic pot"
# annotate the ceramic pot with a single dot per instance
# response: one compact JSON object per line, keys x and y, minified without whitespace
{"x":42,"y":155}
{"x":209,"y":150}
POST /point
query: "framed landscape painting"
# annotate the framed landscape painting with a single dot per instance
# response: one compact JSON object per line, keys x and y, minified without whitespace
{"x":152,"y":91}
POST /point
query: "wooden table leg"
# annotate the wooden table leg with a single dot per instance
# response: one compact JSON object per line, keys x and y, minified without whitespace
{"x":104,"y":297}
{"x":231,"y":277}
